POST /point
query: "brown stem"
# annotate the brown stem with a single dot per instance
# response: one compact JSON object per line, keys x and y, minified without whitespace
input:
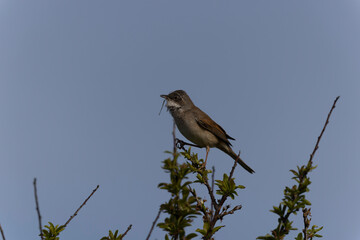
{"x":76,"y":212}
{"x":322,"y":131}
{"x":127,"y":230}
{"x":307,"y":219}
{"x":38,"y":209}
{"x":2,"y":233}
{"x":174,"y":138}
{"x":212,"y":184}
{"x":153,"y":224}
{"x":200,"y":204}
{"x":218,"y":205}
{"x":285,"y":219}
{"x":211,"y":192}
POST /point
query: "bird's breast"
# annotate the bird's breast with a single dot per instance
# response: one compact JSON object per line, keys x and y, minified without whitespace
{"x":191,"y":130}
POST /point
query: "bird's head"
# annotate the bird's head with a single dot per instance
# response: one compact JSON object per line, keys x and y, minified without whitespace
{"x":177,"y":101}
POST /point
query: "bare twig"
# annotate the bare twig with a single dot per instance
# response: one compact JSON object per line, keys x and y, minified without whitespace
{"x":224,"y":197}
{"x":212,"y":184}
{"x":322,"y":131}
{"x":233,"y":167}
{"x":153,"y":224}
{"x":2,"y":233}
{"x":283,"y":220}
{"x":68,"y":221}
{"x":38,"y":209}
{"x":211,"y":193}
{"x":316,"y":145}
{"x":127,"y":230}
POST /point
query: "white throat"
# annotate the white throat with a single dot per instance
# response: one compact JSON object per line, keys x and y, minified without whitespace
{"x":172,"y":104}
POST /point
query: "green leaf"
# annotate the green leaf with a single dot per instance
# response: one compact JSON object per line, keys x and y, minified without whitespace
{"x":190,"y":236}
{"x":299,"y":237}
{"x":217,"y":228}
{"x":307,"y":202}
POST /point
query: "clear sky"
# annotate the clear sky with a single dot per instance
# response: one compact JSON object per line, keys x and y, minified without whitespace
{"x":79,"y":102}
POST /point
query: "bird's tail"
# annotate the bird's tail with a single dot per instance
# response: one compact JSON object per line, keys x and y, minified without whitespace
{"x":237,"y":158}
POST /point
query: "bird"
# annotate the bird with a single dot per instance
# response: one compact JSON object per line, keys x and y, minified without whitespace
{"x":196,"y":126}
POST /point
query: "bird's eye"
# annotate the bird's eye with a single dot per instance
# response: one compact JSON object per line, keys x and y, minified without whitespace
{"x":176,"y":97}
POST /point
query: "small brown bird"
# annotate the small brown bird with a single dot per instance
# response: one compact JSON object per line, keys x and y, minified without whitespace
{"x":198,"y":127}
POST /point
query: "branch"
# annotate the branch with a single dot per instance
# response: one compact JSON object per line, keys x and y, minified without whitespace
{"x":294,"y":197}
{"x":211,"y":193}
{"x":154,"y":222}
{"x":68,"y":221}
{"x":218,"y":205}
{"x":322,"y":131}
{"x":224,"y":197}
{"x":37,"y":209}
{"x":310,"y":162}
{"x":127,"y":230}
{"x":307,"y":219}
{"x":212,"y":184}
{"x":233,"y":167}
{"x":174,"y":138}
{"x":232,"y":211}
{"x":200,"y":205}
{"x":2,"y":232}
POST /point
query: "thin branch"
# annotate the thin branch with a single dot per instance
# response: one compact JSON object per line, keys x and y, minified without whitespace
{"x":174,"y":138}
{"x":281,"y":229}
{"x":153,"y":224}
{"x":322,"y":131}
{"x":316,"y":146}
{"x":200,"y":204}
{"x":68,"y":221}
{"x":307,"y":219}
{"x":224,"y":197}
{"x":2,"y":232}
{"x":127,"y":230}
{"x":218,"y":205}
{"x":211,"y":193}
{"x":38,"y":209}
{"x":232,"y":211}
{"x":233,"y":167}
{"x":212,"y":184}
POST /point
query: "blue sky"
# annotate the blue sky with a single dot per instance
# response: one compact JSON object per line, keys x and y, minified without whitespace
{"x":79,"y":99}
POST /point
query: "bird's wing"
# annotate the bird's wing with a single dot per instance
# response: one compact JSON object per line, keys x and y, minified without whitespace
{"x":207,"y":123}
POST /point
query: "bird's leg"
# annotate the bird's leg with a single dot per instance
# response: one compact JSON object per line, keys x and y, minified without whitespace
{"x":207,"y":153}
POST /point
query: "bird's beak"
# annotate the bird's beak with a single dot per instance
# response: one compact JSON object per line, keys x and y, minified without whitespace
{"x":164,"y":96}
